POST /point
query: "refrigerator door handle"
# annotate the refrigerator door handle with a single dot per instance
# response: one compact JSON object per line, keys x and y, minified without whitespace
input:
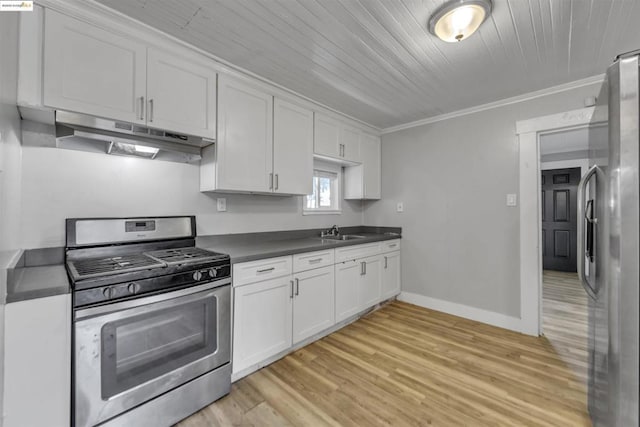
{"x":580,"y":232}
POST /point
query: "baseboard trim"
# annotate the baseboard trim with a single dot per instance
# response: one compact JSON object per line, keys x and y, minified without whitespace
{"x":465,"y":311}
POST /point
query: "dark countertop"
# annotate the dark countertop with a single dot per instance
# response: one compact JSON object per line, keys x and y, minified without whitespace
{"x":253,"y":246}
{"x":38,"y":273}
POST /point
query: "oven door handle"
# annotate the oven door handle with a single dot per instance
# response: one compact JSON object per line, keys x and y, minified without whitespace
{"x":143,"y":301}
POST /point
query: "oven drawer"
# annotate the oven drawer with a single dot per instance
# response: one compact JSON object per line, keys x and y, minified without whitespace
{"x":310,"y":260}
{"x":263,"y":269}
{"x":390,"y":245}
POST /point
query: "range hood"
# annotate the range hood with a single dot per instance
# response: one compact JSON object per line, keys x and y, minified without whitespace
{"x":83,"y":132}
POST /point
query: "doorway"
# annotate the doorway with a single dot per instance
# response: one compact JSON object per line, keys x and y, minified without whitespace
{"x":563,"y":160}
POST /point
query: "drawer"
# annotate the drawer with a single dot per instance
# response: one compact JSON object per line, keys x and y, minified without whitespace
{"x":390,"y":245}
{"x":309,"y":260}
{"x":357,"y":251}
{"x":263,"y":269}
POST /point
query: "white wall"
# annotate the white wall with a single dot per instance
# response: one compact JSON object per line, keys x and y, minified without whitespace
{"x":59,"y":184}
{"x":460,"y":240}
{"x":9,"y":163}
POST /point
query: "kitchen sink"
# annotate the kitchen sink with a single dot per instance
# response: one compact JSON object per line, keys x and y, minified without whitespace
{"x":343,"y":237}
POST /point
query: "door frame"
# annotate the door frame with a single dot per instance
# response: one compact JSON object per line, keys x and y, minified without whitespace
{"x":528,"y":133}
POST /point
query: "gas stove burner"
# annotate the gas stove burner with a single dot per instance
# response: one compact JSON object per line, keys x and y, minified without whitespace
{"x":184,"y":255}
{"x":97,"y":267}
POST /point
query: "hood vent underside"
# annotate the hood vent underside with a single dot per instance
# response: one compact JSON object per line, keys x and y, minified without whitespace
{"x":82,"y":132}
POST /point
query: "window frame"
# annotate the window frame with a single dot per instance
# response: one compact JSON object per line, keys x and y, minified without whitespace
{"x":329,"y":168}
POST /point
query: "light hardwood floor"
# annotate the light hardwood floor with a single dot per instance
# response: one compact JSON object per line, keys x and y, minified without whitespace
{"x":565,"y":319}
{"x":406,"y":365}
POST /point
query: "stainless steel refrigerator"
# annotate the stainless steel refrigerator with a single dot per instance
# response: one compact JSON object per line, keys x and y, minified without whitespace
{"x":609,"y":239}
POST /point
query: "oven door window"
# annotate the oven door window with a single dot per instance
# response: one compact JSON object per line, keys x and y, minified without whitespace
{"x":143,"y":347}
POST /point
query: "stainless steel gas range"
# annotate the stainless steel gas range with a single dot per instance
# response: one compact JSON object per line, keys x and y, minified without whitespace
{"x":152,"y":321}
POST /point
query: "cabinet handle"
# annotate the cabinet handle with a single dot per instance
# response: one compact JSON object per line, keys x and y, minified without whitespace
{"x":365,"y":268}
{"x":266,"y":270}
{"x":276,"y":181}
{"x":313,"y":261}
{"x":393,"y":246}
{"x":291,"y":294}
{"x":362,"y":268}
{"x":385,"y":262}
{"x":341,"y":150}
{"x":271,"y":181}
{"x":142,"y":108}
{"x":151,"y":110}
{"x":297,"y":286}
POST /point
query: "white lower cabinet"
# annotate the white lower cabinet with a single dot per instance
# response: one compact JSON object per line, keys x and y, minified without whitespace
{"x":390,"y":274}
{"x":280,"y":302}
{"x":347,"y":289}
{"x":37,"y":362}
{"x":370,"y":285}
{"x":313,"y":302}
{"x":262,"y":321}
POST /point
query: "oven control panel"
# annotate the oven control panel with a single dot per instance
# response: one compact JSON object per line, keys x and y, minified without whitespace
{"x":144,"y":287}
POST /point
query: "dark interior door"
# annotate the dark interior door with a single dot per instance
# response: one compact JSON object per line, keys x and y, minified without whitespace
{"x":559,"y":222}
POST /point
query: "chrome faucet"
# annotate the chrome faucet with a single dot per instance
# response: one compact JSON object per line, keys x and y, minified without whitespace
{"x":333,"y":231}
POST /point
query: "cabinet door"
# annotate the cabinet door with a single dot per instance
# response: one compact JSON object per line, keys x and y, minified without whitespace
{"x":92,"y":71}
{"x":390,"y":274}
{"x":37,"y":361}
{"x":371,"y":281}
{"x":292,"y":148}
{"x":370,"y":156}
{"x":262,"y":321}
{"x":313,"y":303}
{"x":350,"y":140}
{"x":181,"y":95}
{"x":347,"y":289}
{"x":326,"y":136}
{"x":245,"y":137}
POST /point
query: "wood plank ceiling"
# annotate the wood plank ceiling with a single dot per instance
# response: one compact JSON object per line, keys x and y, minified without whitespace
{"x":376,"y":61}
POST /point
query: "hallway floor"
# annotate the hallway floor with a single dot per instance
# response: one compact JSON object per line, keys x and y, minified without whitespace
{"x":565,"y":319}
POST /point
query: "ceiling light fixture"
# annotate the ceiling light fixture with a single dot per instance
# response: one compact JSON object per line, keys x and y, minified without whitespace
{"x":456,"y":20}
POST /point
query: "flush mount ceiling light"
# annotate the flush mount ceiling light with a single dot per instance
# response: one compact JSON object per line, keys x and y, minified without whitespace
{"x":456,"y":20}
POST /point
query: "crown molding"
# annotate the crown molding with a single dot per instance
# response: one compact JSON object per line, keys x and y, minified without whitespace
{"x":500,"y":103}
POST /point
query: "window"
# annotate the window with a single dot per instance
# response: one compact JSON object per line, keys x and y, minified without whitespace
{"x":326,"y":192}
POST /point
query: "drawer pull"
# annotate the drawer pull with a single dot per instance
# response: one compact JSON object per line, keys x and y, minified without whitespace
{"x":393,"y":246}
{"x":313,"y":261}
{"x":266,"y":270}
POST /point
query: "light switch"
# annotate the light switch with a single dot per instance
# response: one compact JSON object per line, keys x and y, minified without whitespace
{"x":222,"y":204}
{"x":512,"y":200}
{"x":400,"y":207}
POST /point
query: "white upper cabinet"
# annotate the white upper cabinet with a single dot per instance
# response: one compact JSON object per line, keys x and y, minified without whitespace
{"x":350,"y":139}
{"x":364,"y":180}
{"x":180,"y":95}
{"x":244,"y":153}
{"x":264,"y":145}
{"x":335,"y":139}
{"x":326,"y":137}
{"x":93,"y":71}
{"x":292,"y":148}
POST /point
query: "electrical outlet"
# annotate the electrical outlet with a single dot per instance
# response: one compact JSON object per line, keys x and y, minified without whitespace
{"x":222,"y":204}
{"x":400,"y":207}
{"x":512,"y":200}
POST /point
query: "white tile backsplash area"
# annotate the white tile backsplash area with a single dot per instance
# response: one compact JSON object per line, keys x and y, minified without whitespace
{"x":59,"y":184}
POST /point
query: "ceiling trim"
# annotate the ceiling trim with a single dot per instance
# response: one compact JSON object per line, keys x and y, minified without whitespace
{"x":500,"y":103}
